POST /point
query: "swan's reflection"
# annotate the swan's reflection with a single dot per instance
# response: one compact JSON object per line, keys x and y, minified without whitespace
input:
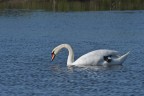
{"x":95,"y":68}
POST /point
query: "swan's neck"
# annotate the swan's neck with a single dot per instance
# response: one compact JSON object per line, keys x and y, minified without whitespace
{"x":70,"y":58}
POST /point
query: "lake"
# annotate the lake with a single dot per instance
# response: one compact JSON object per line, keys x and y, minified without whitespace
{"x":27,"y":38}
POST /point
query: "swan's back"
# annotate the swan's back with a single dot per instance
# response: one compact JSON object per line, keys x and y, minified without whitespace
{"x":94,"y":57}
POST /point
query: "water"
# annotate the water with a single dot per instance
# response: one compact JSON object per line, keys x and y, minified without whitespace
{"x":28,"y":37}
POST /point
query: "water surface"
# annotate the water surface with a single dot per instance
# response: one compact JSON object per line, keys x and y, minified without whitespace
{"x":28,"y":37}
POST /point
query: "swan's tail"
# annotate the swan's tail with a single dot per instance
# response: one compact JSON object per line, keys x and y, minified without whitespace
{"x":122,"y":58}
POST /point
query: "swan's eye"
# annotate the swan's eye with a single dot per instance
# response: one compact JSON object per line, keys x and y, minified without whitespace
{"x":52,"y":53}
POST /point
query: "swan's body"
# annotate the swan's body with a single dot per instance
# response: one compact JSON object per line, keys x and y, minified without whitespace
{"x":98,"y":57}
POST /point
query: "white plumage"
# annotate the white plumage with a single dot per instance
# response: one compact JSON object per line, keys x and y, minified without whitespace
{"x":92,"y":58}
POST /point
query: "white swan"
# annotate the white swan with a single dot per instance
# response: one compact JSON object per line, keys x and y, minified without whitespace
{"x":98,"y":57}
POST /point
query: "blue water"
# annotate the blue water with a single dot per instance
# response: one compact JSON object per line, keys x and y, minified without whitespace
{"x":28,"y":37}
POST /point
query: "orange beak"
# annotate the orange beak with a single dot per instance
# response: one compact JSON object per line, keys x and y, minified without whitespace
{"x":52,"y":56}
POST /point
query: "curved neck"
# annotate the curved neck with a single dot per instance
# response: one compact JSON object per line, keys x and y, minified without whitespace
{"x":70,"y":58}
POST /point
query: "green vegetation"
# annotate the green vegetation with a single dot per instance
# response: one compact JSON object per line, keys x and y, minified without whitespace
{"x":72,"y":5}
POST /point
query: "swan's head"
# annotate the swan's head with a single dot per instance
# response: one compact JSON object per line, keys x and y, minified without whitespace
{"x":53,"y":54}
{"x":55,"y":51}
